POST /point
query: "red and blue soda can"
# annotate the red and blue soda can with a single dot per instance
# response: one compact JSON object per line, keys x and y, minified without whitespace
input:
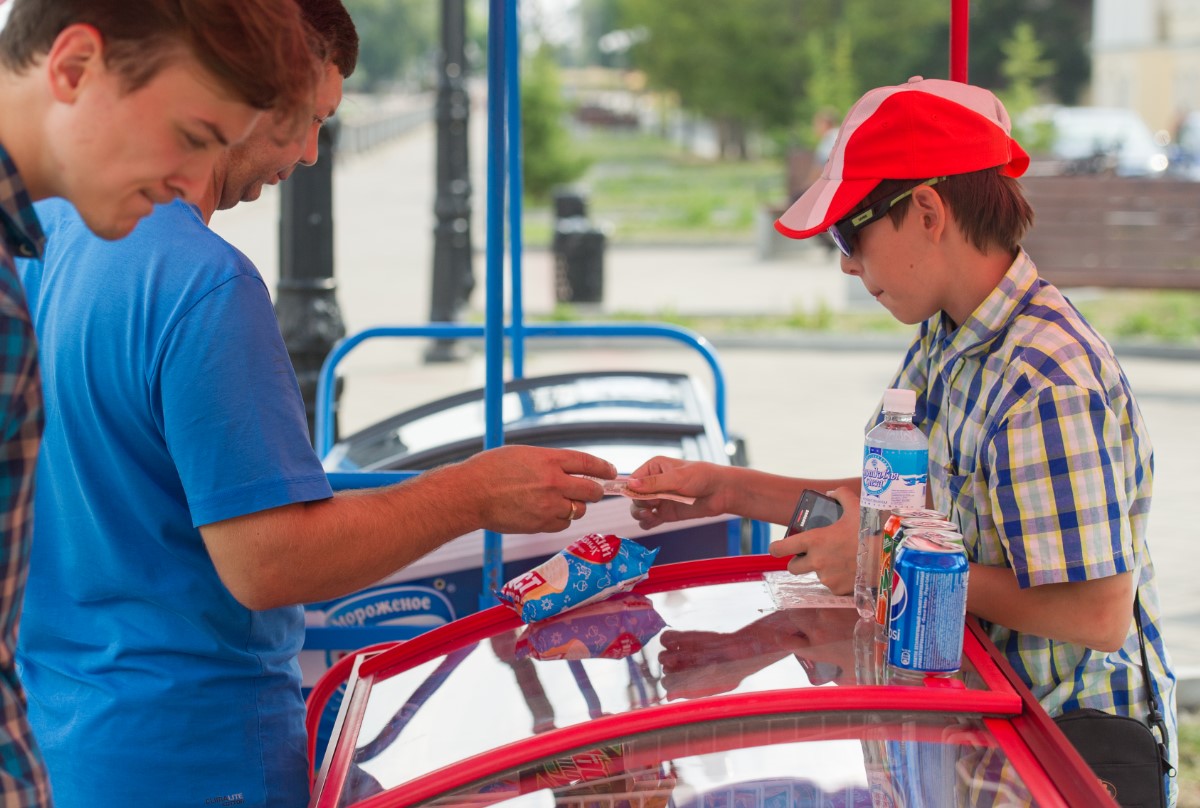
{"x":928,"y":604}
{"x":893,"y":531}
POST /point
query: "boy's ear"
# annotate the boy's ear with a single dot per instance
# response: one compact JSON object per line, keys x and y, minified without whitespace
{"x":76,"y":54}
{"x":931,"y":209}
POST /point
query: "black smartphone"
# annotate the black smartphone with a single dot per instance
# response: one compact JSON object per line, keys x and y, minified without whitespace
{"x":813,"y":509}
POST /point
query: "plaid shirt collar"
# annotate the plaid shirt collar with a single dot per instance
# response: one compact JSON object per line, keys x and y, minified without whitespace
{"x":991,"y":319}
{"x":19,"y":227}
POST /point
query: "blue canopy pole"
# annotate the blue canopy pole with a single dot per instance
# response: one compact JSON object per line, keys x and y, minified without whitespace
{"x":516,"y":185}
{"x":493,"y":334}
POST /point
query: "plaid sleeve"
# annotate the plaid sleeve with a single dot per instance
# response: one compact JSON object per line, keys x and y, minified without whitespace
{"x":23,"y":781}
{"x":1059,"y":508}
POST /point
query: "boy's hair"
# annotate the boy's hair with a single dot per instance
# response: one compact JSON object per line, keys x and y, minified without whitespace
{"x":332,"y":23}
{"x":258,"y":50}
{"x":989,"y":208}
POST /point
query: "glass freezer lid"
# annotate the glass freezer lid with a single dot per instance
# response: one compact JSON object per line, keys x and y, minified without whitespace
{"x":616,"y":657}
{"x":823,"y":760}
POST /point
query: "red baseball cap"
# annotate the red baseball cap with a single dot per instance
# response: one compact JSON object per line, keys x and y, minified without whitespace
{"x":925,"y":128}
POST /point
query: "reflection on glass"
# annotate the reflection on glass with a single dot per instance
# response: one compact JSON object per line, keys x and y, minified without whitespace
{"x":725,"y":638}
{"x":907,"y":761}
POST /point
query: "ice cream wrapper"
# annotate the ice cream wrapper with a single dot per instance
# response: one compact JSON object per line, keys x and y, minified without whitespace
{"x":611,"y":629}
{"x":589,"y":569}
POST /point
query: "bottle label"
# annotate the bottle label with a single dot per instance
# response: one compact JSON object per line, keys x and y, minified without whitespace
{"x":894,"y":478}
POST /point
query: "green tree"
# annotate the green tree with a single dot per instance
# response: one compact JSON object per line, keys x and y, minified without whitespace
{"x":831,"y":85}
{"x":893,"y":41}
{"x":1025,"y":70}
{"x":597,"y":18}
{"x":398,"y":39}
{"x":740,"y":64}
{"x":1067,"y":23}
{"x":547,"y":153}
{"x":762,"y":64}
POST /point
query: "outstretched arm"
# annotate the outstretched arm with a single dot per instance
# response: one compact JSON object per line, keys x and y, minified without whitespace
{"x":318,"y":550}
{"x":718,"y":490}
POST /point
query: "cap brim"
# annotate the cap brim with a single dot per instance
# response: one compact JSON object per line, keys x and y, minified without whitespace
{"x":821,"y":205}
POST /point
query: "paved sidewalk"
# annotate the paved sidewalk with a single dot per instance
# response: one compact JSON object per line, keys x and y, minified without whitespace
{"x":800,"y":402}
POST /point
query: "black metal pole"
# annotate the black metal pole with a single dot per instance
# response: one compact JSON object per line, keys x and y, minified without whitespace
{"x":305,"y":301}
{"x":453,"y":276}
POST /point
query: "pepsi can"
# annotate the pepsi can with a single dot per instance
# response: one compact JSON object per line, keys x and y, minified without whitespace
{"x":928,"y":604}
{"x":893,"y":532}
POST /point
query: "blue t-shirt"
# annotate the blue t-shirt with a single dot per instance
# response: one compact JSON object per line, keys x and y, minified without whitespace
{"x":170,"y":403}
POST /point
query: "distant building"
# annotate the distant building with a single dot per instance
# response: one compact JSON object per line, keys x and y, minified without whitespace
{"x":1146,"y":57}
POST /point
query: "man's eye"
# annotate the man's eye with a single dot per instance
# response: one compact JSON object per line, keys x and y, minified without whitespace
{"x":194,"y":142}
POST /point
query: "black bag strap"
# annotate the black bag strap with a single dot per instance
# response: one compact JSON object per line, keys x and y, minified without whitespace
{"x":1156,"y":718}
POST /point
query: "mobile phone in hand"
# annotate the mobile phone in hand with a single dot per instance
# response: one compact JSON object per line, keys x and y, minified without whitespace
{"x":813,"y":509}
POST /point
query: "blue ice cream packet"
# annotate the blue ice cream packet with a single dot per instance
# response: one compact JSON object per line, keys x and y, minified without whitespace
{"x":589,"y":569}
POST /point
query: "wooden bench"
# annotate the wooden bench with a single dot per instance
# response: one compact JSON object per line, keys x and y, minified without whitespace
{"x":1115,"y":232}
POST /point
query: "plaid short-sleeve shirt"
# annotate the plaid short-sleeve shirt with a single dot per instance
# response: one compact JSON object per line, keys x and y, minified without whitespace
{"x":23,"y":779}
{"x":1039,"y":453}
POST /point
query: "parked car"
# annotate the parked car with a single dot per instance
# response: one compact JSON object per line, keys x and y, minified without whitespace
{"x":1099,"y":140}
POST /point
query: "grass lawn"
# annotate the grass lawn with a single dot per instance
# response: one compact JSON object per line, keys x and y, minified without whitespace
{"x":1188,"y":775}
{"x":644,"y":189}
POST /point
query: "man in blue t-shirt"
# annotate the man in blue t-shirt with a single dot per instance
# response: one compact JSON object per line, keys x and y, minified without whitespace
{"x":113,"y":105}
{"x":183,"y":514}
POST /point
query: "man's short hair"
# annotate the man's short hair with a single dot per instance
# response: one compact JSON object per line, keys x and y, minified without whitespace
{"x":256,"y":49}
{"x":330,"y":20}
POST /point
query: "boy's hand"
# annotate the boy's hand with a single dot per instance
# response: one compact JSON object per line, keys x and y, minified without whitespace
{"x":831,"y":552}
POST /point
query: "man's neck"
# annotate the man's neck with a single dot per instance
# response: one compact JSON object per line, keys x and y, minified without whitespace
{"x":20,"y":131}
{"x":208,"y":202}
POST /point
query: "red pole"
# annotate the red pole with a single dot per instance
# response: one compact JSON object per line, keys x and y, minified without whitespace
{"x":960,"y":23}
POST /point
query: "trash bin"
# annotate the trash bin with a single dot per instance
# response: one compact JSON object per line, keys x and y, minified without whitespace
{"x":578,"y":251}
{"x":578,"y":261}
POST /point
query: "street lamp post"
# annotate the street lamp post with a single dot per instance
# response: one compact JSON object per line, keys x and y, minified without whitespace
{"x":306,"y":302}
{"x":453,"y":277}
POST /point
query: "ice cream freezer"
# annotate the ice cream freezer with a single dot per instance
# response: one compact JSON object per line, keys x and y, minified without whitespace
{"x":626,"y":417}
{"x":714,"y":682}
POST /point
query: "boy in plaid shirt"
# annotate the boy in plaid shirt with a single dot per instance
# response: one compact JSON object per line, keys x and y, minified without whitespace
{"x":1037,"y":448}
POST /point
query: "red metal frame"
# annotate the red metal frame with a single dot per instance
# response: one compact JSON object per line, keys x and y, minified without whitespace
{"x":1012,"y":714}
{"x":960,"y":23}
{"x":1042,"y":737}
{"x":332,"y":776}
{"x":605,"y":729}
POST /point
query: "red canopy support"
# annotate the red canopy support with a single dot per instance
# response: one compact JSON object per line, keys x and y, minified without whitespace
{"x":960,"y":19}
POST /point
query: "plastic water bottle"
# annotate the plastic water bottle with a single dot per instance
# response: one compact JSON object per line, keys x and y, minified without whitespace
{"x":894,"y":475}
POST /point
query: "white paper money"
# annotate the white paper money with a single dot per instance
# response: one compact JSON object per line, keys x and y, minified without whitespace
{"x":620,"y":487}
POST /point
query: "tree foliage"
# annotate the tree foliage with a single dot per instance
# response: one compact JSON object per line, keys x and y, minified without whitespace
{"x":1066,"y":23}
{"x":769,"y":64}
{"x":398,"y":39}
{"x":1025,"y":69}
{"x":548,"y":157}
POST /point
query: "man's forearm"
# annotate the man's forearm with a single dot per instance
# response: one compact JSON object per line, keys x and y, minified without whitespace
{"x":314,"y":551}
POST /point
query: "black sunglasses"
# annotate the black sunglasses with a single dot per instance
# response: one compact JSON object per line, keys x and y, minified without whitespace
{"x":842,"y":232}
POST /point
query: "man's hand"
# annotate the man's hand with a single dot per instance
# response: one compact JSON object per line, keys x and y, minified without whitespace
{"x":311,"y":551}
{"x":831,"y":552}
{"x":529,"y":489}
